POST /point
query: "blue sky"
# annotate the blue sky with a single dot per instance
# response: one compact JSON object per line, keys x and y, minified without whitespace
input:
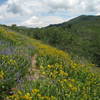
{"x":2,"y":1}
{"x":40,"y":13}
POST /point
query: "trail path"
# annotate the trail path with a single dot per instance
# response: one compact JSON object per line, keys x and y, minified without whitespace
{"x":34,"y":72}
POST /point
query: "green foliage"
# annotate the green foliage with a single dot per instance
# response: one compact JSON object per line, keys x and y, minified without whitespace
{"x":14,"y":62}
{"x":60,"y":77}
{"x":12,"y":70}
{"x":66,"y":82}
{"x":79,"y":36}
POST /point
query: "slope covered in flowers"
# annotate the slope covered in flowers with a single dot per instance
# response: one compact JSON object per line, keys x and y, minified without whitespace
{"x":61,"y":78}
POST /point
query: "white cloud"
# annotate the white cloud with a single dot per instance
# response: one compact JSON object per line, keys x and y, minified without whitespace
{"x":43,"y":12}
{"x":1,"y":17}
{"x":33,"y":22}
{"x":42,"y":21}
{"x":61,"y":4}
{"x":98,"y":14}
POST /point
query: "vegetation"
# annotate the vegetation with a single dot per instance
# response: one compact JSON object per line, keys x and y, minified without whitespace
{"x":60,"y":77}
{"x":79,"y":36}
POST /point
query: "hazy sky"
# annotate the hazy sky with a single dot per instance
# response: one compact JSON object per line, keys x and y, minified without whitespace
{"x":38,"y":13}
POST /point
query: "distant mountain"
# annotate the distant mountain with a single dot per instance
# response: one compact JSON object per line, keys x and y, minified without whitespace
{"x":78,"y":20}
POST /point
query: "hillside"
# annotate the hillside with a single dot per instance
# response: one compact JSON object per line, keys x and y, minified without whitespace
{"x":59,"y":76}
{"x":79,"y":36}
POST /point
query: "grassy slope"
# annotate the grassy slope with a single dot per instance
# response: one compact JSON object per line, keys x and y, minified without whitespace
{"x":79,"y":36}
{"x":76,"y":76}
{"x":41,"y":48}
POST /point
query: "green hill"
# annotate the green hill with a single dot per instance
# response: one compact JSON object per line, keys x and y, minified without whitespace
{"x":79,"y":36}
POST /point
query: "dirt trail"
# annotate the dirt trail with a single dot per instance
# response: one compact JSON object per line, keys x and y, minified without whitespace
{"x":34,"y":72}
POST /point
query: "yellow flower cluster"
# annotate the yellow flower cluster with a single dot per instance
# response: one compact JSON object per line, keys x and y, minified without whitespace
{"x":45,"y":97}
{"x":54,"y":71}
{"x":27,"y":96}
{"x":69,"y":84}
{"x":63,"y":73}
{"x":34,"y":95}
{"x":44,"y":50}
{"x":56,"y":66}
{"x":2,"y":74}
{"x":12,"y":62}
{"x":8,"y":60}
{"x":34,"y":91}
{"x":74,"y":65}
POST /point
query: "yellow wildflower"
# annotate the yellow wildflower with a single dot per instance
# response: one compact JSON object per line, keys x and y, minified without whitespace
{"x":34,"y":91}
{"x":27,"y":97}
{"x":63,"y":73}
{"x":74,"y":89}
{"x":1,"y":74}
{"x":19,"y":92}
{"x":39,"y":95}
{"x":49,"y":66}
{"x":70,"y":85}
